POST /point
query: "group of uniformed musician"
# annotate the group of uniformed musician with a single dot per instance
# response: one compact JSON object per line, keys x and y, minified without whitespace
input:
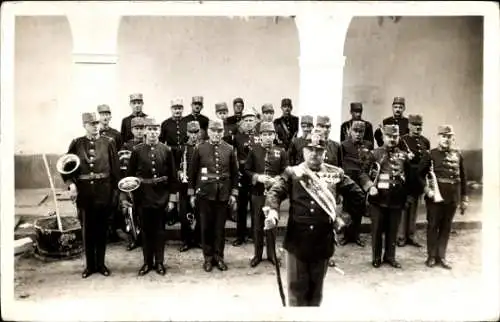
{"x":205,"y":171}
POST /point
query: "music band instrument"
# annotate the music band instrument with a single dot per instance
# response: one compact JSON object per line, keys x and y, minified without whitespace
{"x":432,"y":184}
{"x":127,"y":185}
{"x":66,"y":164}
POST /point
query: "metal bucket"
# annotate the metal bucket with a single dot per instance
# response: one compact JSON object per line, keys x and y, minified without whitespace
{"x":53,"y":243}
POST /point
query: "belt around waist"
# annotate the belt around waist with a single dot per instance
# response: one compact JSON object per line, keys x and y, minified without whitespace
{"x":153,"y":180}
{"x":448,"y":180}
{"x":93,"y":176}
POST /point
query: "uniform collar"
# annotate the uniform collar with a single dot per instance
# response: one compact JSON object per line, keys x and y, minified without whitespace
{"x":92,"y":138}
{"x":443,"y":149}
{"x":102,"y":129}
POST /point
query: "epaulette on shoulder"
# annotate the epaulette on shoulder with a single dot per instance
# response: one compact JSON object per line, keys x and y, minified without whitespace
{"x":334,"y":169}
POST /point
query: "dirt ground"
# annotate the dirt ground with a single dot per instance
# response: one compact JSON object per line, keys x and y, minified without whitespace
{"x":363,"y":293}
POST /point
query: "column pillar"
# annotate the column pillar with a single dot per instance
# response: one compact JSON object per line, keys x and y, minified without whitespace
{"x":94,"y":59}
{"x":321,"y":63}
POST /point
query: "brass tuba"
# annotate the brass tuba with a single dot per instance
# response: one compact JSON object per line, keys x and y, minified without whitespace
{"x":68,"y":163}
{"x":127,"y":185}
{"x":432,"y":184}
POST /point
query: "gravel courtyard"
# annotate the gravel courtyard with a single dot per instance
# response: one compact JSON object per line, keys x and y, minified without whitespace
{"x":363,"y":293}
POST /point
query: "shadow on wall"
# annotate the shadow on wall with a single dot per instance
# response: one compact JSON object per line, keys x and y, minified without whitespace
{"x":30,"y":171}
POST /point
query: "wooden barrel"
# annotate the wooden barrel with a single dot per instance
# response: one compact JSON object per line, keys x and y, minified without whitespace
{"x":53,"y":243}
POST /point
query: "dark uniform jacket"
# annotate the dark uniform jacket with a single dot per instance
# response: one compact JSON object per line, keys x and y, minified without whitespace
{"x":295,"y":153}
{"x":126,"y":128}
{"x":154,"y":165}
{"x":402,"y":122}
{"x":393,"y":182}
{"x":244,"y":142}
{"x":270,"y":161}
{"x":114,"y":134}
{"x":333,"y":153}
{"x":129,"y":146}
{"x":173,"y":133}
{"x":229,"y":132}
{"x":234,"y":119}
{"x":310,"y":231}
{"x":214,"y":172}
{"x":286,"y":128}
{"x":344,"y":128}
{"x":97,"y":176}
{"x":355,"y":161}
{"x":450,"y":174}
{"x":419,"y":146}
{"x":202,"y":119}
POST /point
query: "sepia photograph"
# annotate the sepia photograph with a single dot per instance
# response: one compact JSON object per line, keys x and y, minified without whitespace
{"x":240,"y":161}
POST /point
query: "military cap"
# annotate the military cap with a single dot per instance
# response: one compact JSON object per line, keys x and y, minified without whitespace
{"x":103,"y":108}
{"x":307,"y":119}
{"x":315,"y":140}
{"x":391,"y":129}
{"x":136,"y":97}
{"x":266,"y":127}
{"x":248,"y":112}
{"x":286,"y":102}
{"x":322,"y":120}
{"x":222,"y":106}
{"x":238,"y":100}
{"x":89,"y":118}
{"x":415,"y":119}
{"x":149,"y":121}
{"x":358,"y":125}
{"x":445,"y":129}
{"x":399,"y":100}
{"x":267,"y":108}
{"x":215,"y":125}
{"x":176,"y":102}
{"x":193,"y":126}
{"x":137,"y":121}
{"x":356,"y":107}
{"x":197,"y":99}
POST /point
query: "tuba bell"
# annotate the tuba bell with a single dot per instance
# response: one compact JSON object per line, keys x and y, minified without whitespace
{"x":127,"y":185}
{"x":68,"y":163}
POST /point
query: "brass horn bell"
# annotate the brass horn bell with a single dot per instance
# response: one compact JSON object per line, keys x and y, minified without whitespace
{"x":68,"y":163}
{"x":129,"y":184}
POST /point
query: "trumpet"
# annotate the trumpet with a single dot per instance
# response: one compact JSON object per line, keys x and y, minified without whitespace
{"x":432,"y":184}
{"x":183,"y":174}
{"x":127,"y":185}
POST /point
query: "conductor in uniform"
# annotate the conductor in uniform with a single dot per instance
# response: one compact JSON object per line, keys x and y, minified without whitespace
{"x":137,"y":124}
{"x":244,"y":141}
{"x":196,"y":107}
{"x":295,"y":151}
{"x":287,"y":125}
{"x":417,"y":146}
{"x":356,"y":113}
{"x":448,"y":167}
{"x":137,"y":104}
{"x":397,"y":118}
{"x":264,"y":164}
{"x":310,"y":235}
{"x":388,"y":195}
{"x":93,"y":185}
{"x":213,"y":184}
{"x":153,"y":163}
{"x":356,"y":156}
{"x":190,"y":237}
{"x":104,"y":111}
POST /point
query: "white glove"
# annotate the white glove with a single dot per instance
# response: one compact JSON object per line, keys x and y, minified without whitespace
{"x":73,"y":192}
{"x":193,"y":201}
{"x":430,"y":194}
{"x":262,"y":178}
{"x":233,"y":203}
{"x":271,"y":220}
{"x":373,"y":191}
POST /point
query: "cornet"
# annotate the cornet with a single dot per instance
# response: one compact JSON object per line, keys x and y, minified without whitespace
{"x":432,"y":184}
